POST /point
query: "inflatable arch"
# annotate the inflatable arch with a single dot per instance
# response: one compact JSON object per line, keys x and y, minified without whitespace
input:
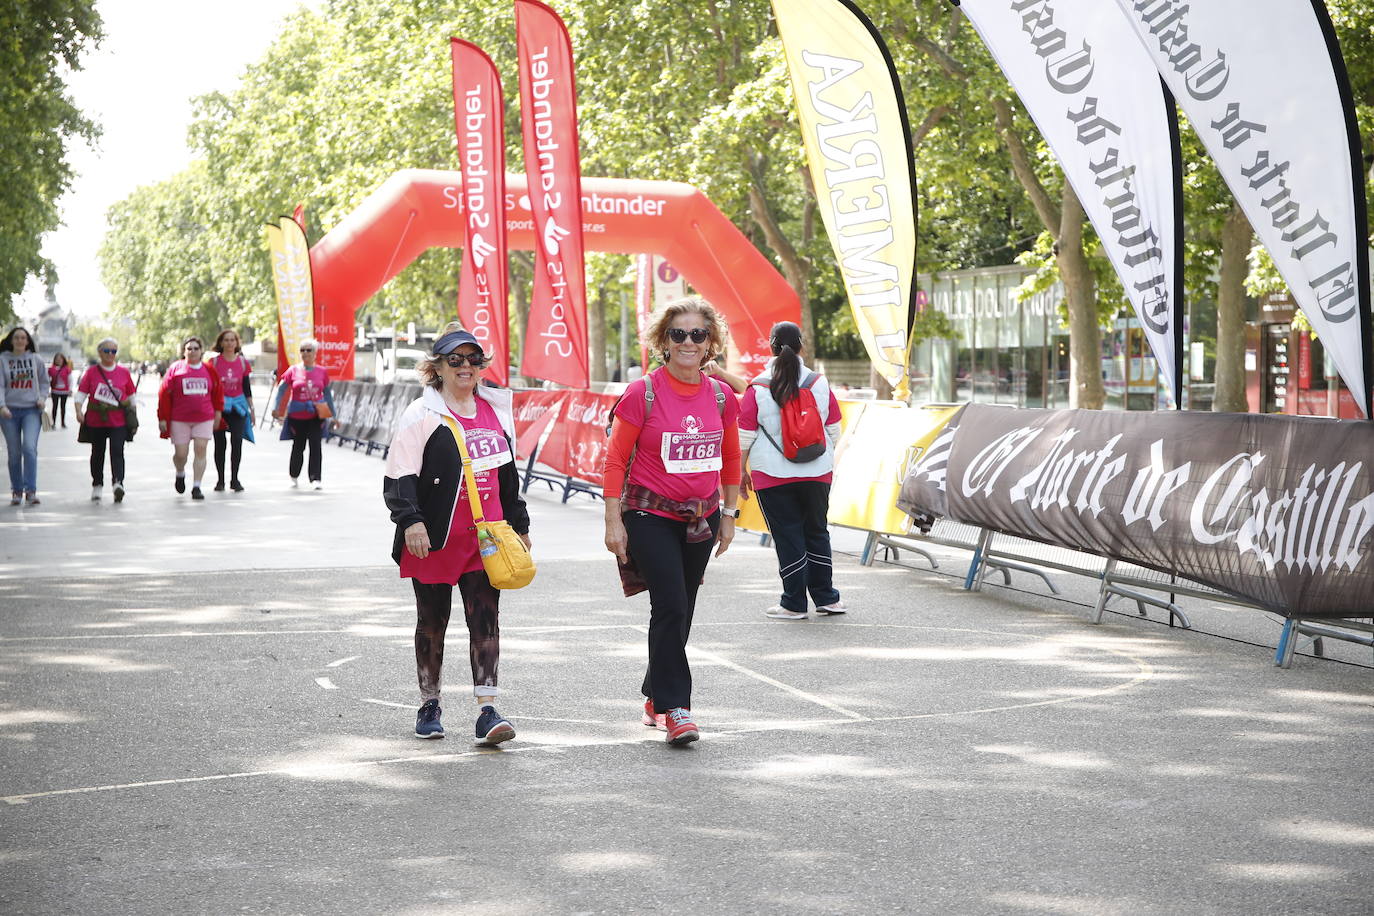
{"x":418,"y":209}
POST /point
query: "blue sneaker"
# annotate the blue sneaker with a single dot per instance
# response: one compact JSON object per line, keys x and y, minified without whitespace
{"x":427,"y":723}
{"x":492,"y":729}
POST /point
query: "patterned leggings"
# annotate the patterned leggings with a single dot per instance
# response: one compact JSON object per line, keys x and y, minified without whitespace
{"x":433,"y":604}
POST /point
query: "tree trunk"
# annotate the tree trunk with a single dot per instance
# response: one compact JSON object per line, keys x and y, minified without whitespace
{"x":1085,"y":333}
{"x":520,"y":306}
{"x":795,"y":269}
{"x":1236,"y":240}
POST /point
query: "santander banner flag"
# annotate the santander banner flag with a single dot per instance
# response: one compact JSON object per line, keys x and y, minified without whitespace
{"x":295,"y":293}
{"x":479,"y":118}
{"x":556,"y":336}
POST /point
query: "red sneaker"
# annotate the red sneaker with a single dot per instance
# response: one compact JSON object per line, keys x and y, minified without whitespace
{"x":681,"y":728}
{"x":652,"y":719}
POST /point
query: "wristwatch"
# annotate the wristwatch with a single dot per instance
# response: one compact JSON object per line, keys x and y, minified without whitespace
{"x":727,"y":512}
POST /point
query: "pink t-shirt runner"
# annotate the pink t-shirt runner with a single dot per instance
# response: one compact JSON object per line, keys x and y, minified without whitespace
{"x":749,"y":420}
{"x":231,"y":374}
{"x":60,"y":378}
{"x":306,"y":386}
{"x":679,"y":450}
{"x":94,"y":385}
{"x":489,"y":450}
{"x":191,"y":392}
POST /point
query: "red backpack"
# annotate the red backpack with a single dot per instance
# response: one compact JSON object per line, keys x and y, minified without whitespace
{"x":803,"y":431}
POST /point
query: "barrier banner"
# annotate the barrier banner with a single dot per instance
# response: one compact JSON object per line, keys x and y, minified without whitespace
{"x":858,"y":146}
{"x":534,"y":411}
{"x":556,"y":336}
{"x":1101,"y":107}
{"x":577,"y":444}
{"x":479,"y":115}
{"x":878,"y":454}
{"x":1276,"y":510}
{"x":1265,"y":87}
{"x":291,"y":280}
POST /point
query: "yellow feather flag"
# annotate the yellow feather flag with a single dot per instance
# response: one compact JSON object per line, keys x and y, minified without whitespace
{"x":858,"y":145}
{"x":292,"y":279}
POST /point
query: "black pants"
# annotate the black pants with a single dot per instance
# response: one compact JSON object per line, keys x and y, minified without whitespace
{"x":433,"y":604}
{"x":236,"y":423}
{"x":672,"y":568}
{"x":115,"y":436}
{"x":795,"y":513}
{"x":59,"y":403}
{"x":305,"y":432}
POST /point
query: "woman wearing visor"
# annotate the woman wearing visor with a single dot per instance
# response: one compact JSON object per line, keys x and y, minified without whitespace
{"x":435,"y":544}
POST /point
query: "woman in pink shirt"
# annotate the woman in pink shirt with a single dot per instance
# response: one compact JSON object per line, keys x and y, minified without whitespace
{"x":60,"y":377}
{"x":303,"y":389}
{"x":665,"y":513}
{"x":104,"y":391}
{"x":233,"y":369}
{"x":189,"y":406}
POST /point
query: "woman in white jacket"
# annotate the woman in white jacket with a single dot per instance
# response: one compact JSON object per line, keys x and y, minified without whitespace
{"x":794,"y":496}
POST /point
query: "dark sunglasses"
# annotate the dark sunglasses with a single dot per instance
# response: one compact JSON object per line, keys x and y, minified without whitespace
{"x":193,"y":346}
{"x":679,"y":335}
{"x":107,"y":350}
{"x":307,"y":349}
{"x":458,"y":359}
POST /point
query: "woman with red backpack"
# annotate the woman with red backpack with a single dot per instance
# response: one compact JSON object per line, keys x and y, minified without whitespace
{"x":789,"y":423}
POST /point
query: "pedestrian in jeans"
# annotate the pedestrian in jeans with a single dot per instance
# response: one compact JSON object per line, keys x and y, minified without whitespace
{"x":435,"y":544}
{"x":60,"y":383}
{"x":24,"y":388}
{"x":301,"y":391}
{"x":664,"y":509}
{"x":105,"y":389}
{"x":795,"y":498}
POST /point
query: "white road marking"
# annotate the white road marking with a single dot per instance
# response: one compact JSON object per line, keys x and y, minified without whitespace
{"x":326,"y":683}
{"x":343,"y":661}
{"x":772,"y":682}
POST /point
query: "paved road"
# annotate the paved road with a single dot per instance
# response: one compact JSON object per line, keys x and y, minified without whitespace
{"x":205,"y":707}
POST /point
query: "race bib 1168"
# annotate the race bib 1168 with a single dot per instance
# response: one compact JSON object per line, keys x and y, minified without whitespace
{"x":692,"y":453}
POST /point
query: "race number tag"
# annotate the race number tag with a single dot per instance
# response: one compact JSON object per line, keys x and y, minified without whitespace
{"x":692,"y":453}
{"x":105,"y":395}
{"x":195,"y":386}
{"x":487,"y":449}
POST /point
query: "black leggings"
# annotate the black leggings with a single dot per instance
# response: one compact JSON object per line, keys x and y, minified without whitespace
{"x":305,"y":432}
{"x":59,"y":403}
{"x":236,"y":423}
{"x":433,"y":603}
{"x":99,"y":435}
{"x":672,"y":568}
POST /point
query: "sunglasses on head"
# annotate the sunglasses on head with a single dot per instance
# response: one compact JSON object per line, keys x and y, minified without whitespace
{"x":108,"y":350}
{"x":679,"y":335}
{"x":458,"y":359}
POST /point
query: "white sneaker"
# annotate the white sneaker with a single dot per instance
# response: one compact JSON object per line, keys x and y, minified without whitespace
{"x":295,"y":483}
{"x":836,"y":608}
{"x":779,"y":612}
{"x":95,"y":494}
{"x":316,"y":485}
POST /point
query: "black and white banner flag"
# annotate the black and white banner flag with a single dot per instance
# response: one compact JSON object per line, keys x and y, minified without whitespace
{"x":1265,"y":87}
{"x":1276,"y":510}
{"x":1102,"y":109}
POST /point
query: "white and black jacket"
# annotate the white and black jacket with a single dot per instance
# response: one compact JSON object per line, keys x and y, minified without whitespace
{"x":424,"y":472}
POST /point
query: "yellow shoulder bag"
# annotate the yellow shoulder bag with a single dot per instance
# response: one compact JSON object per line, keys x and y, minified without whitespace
{"x":504,"y":556}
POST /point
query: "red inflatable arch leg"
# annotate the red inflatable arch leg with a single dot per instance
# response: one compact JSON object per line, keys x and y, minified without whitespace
{"x":418,"y":209}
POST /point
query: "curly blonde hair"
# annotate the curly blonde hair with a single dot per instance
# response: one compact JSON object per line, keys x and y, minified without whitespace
{"x":656,"y":334}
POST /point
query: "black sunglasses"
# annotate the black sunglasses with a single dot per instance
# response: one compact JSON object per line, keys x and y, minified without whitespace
{"x":458,"y":359}
{"x":698,"y":335}
{"x":105,"y":350}
{"x":307,"y":349}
